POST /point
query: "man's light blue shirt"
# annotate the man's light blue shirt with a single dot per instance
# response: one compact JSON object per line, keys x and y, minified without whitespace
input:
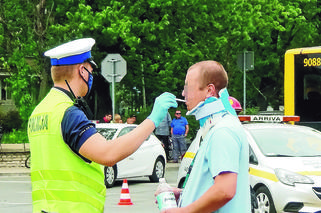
{"x":224,"y":149}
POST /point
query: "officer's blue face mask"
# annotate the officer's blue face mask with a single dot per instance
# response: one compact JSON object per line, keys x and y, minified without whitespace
{"x":89,"y":82}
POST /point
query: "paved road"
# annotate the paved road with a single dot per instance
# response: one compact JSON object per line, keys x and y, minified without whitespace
{"x":15,"y":194}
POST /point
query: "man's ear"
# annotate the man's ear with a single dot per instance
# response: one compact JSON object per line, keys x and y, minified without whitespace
{"x":211,"y":91}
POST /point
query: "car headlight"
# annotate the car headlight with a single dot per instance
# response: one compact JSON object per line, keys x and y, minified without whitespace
{"x":290,"y":178}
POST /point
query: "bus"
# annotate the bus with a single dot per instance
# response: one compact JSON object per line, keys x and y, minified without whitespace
{"x":302,"y":85}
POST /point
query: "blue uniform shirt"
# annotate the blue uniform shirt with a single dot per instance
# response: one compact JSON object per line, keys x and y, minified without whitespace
{"x":76,"y":128}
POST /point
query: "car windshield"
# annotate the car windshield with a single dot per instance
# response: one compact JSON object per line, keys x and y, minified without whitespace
{"x":108,"y":133}
{"x":287,"y":142}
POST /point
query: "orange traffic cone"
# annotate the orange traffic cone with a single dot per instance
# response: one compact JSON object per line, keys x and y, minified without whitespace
{"x":124,"y":196}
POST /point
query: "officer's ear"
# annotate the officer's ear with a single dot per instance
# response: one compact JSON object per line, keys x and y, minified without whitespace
{"x":81,"y":71}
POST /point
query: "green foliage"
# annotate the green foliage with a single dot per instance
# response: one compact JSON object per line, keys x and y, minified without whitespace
{"x":159,"y":39}
{"x":15,"y":136}
{"x":143,"y":114}
{"x":20,"y":41}
{"x":10,"y":121}
{"x":21,"y":84}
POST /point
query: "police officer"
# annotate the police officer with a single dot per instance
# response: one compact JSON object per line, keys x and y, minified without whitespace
{"x":66,"y":149}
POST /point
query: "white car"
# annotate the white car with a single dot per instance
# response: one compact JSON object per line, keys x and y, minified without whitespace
{"x":285,"y":167}
{"x":148,"y":160}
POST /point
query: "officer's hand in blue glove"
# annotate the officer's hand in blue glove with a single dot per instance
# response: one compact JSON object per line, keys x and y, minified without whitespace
{"x":161,"y":106}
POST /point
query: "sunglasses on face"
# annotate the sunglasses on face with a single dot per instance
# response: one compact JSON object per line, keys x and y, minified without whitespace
{"x":178,"y":113}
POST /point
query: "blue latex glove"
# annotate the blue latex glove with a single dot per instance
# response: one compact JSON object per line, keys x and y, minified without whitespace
{"x":161,"y":106}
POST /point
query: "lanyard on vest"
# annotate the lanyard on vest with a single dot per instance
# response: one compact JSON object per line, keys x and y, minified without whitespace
{"x":210,"y":123}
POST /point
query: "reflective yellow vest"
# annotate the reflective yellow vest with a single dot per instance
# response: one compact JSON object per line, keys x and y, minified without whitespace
{"x":61,"y":180}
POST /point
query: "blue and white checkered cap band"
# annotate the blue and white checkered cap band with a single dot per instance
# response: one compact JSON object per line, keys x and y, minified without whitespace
{"x":74,"y":59}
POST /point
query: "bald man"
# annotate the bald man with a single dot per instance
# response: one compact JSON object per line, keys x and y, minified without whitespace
{"x":217,"y":180}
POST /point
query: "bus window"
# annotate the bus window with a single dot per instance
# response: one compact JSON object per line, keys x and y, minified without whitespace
{"x":312,"y":92}
{"x":312,"y":87}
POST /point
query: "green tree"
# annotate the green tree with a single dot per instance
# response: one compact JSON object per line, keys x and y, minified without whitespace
{"x":21,"y":44}
{"x":159,"y":39}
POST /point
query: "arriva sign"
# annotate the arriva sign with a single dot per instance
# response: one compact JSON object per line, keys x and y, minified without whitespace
{"x":262,"y":118}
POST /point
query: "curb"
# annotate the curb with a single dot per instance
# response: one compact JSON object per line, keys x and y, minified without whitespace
{"x":15,"y":171}
{"x":15,"y":174}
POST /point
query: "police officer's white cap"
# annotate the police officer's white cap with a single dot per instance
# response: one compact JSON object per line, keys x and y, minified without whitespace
{"x":73,"y":52}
